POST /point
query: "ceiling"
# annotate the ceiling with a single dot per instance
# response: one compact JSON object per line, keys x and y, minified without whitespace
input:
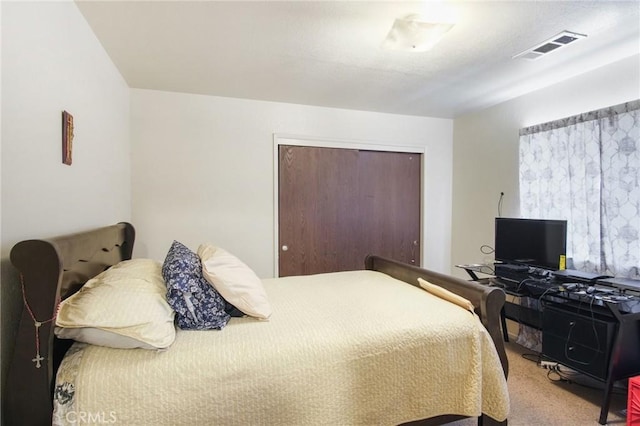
{"x":328,"y":53}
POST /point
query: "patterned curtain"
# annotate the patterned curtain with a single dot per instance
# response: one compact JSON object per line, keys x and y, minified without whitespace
{"x":586,"y":169}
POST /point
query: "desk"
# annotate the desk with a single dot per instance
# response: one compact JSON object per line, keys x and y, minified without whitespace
{"x":522,"y":313}
{"x":590,"y":333}
{"x":474,"y":268}
{"x":513,"y":311}
{"x":600,"y":340}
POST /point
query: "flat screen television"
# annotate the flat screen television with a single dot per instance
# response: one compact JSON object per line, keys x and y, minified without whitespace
{"x":532,"y":242}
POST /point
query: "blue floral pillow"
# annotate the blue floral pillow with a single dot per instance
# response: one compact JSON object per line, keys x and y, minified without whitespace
{"x":197,"y":304}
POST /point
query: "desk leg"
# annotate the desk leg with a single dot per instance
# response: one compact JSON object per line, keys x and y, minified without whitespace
{"x":503,"y":322}
{"x":472,"y":274}
{"x":604,"y":409}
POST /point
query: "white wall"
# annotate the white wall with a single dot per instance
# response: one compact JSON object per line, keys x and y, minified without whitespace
{"x":52,"y":61}
{"x":203,"y":170}
{"x":485,"y":149}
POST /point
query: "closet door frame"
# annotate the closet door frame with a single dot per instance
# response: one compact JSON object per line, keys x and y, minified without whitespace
{"x":298,"y":140}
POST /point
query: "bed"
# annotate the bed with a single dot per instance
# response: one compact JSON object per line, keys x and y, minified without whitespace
{"x":380,"y":373}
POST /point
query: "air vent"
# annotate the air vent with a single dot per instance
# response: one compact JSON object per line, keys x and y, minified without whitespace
{"x":554,"y":43}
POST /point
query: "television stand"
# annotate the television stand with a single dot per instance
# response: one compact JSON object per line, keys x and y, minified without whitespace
{"x":594,"y":333}
{"x":599,"y":341}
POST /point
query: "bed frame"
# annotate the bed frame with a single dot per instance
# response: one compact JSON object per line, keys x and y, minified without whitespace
{"x":53,"y":269}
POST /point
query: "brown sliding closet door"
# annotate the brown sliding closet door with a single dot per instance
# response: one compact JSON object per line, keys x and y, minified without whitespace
{"x":338,"y":205}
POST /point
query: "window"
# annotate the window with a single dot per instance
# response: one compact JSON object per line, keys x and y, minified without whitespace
{"x":586,"y":169}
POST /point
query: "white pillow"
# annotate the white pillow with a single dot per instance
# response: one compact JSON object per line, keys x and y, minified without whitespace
{"x":99,"y":337}
{"x":235,"y":281}
{"x":123,"y":307}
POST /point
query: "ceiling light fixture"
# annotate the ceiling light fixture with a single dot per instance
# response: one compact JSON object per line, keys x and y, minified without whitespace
{"x":410,"y":34}
{"x":555,"y":42}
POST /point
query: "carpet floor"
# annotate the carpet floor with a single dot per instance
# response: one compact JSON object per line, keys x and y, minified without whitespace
{"x":541,"y":397}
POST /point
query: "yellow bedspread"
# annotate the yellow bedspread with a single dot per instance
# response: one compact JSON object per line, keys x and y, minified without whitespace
{"x":346,"y":348}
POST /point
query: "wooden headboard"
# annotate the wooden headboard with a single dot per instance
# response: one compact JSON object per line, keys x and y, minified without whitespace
{"x":50,"y":271}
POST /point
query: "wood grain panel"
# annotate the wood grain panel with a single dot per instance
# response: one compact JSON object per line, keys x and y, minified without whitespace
{"x":338,"y":205}
{"x":389,"y":190}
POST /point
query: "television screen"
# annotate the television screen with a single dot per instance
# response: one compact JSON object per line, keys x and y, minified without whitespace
{"x":531,"y":242}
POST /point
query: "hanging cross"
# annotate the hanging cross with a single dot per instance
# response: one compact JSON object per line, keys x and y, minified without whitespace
{"x":37,"y":360}
{"x":36,"y":324}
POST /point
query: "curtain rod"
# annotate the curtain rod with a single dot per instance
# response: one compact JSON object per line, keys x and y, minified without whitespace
{"x":581,"y":118}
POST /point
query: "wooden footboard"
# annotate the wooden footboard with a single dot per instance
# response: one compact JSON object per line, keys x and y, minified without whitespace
{"x":487,"y":301}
